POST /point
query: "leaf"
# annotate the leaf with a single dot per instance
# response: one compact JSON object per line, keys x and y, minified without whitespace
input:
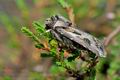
{"x":53,"y":51}
{"x":39,"y":27}
{"x":30,"y":34}
{"x":39,"y":46}
{"x":46,"y":55}
{"x":26,"y":31}
{"x":41,"y":32}
{"x":59,"y":63}
{"x":63,"y":3}
{"x":53,"y":43}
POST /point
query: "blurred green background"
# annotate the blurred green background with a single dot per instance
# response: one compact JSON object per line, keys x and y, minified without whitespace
{"x":20,"y":60}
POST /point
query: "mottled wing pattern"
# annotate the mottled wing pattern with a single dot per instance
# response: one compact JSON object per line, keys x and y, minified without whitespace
{"x":86,"y":40}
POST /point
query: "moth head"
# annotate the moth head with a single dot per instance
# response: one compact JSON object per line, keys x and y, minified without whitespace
{"x":57,"y":21}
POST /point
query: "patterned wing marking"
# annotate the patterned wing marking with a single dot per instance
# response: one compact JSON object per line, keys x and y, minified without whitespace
{"x":86,"y":40}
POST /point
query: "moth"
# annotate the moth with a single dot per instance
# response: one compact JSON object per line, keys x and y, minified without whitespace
{"x":73,"y":38}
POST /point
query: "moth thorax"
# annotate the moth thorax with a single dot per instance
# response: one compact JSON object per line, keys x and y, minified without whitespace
{"x":60,"y":24}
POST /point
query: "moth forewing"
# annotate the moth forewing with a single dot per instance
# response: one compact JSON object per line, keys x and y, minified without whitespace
{"x":84,"y":39}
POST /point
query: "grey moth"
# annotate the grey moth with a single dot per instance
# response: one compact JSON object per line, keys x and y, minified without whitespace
{"x":73,"y":38}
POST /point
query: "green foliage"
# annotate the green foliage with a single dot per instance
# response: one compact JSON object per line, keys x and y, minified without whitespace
{"x":6,"y":21}
{"x":55,"y":70}
{"x":10,"y":28}
{"x":115,"y":48}
{"x":114,"y":70}
{"x":35,"y":76}
{"x":39,"y":46}
{"x":21,"y":4}
{"x":7,"y":78}
{"x":92,"y":74}
{"x":76,"y":53}
{"x":39,"y":27}
{"x":40,"y":30}
{"x":53,"y":45}
{"x":63,"y":3}
{"x":30,"y":34}
{"x":83,"y":9}
{"x":46,"y":55}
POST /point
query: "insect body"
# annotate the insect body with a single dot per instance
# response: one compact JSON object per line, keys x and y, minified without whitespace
{"x":73,"y":38}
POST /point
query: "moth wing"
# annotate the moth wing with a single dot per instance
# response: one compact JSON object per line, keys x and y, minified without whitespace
{"x":95,"y":43}
{"x":86,"y":40}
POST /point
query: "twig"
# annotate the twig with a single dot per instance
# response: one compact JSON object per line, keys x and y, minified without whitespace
{"x":69,"y":10}
{"x":111,"y":36}
{"x":70,"y":13}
